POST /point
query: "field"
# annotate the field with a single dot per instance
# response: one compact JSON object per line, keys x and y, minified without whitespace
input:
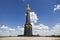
{"x":29,"y":38}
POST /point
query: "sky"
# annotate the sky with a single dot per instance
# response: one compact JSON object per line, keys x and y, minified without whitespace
{"x":44,"y":16}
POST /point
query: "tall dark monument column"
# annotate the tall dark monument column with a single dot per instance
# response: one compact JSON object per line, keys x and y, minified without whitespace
{"x":28,"y":26}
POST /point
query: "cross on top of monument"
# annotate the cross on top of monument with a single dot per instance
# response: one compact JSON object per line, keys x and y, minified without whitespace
{"x":28,"y":8}
{"x":28,"y":5}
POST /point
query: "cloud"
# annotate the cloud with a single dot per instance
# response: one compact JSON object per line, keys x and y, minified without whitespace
{"x":39,"y":26}
{"x":4,"y":27}
{"x":6,"y":30}
{"x":33,"y":17}
{"x":56,"y":29}
{"x":39,"y":29}
{"x":20,"y":30}
{"x":44,"y":30}
{"x":56,"y":7}
{"x":0,"y":31}
{"x":11,"y":29}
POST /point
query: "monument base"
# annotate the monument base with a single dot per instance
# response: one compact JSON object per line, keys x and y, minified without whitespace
{"x":28,"y":36}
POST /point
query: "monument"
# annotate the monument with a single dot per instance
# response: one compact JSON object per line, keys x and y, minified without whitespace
{"x":28,"y":26}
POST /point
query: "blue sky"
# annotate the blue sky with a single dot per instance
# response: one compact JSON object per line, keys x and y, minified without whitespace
{"x":12,"y":12}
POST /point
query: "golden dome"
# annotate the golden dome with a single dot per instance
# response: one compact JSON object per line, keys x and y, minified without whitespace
{"x":28,"y":9}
